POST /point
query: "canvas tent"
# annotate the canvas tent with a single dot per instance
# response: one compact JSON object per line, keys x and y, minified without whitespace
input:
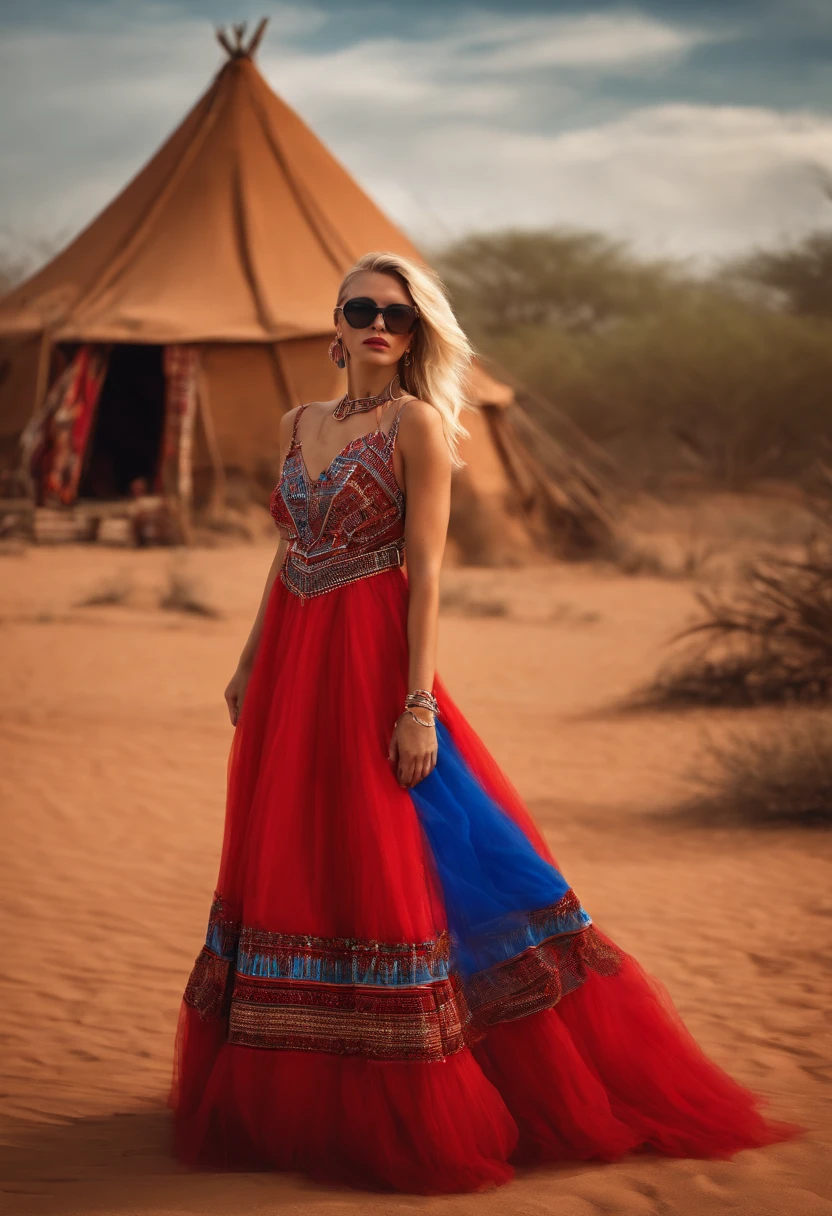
{"x":162,"y":346}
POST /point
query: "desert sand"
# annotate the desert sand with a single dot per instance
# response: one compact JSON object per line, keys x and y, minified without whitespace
{"x":114,"y":747}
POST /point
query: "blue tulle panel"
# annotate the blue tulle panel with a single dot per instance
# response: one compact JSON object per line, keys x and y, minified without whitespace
{"x":492,"y":877}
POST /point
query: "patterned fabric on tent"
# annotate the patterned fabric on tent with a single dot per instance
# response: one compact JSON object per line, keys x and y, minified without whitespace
{"x":59,"y":436}
{"x":233,"y":238}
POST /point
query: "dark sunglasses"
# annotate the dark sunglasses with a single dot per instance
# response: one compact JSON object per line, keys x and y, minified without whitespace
{"x":360,"y":312}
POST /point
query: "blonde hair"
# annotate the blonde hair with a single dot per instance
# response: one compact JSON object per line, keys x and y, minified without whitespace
{"x":440,"y":352}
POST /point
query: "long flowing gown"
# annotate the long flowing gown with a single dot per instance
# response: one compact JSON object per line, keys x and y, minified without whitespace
{"x":399,"y":989}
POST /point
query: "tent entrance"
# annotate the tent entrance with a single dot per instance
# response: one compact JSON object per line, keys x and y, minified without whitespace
{"x":124,"y":455}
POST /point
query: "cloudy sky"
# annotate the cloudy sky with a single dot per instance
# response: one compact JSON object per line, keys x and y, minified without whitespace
{"x":692,"y":128}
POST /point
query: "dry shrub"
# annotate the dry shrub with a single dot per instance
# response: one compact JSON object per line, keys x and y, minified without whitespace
{"x":697,"y":555}
{"x":636,"y":557}
{"x":774,"y":779}
{"x":110,"y":591}
{"x":461,"y":599}
{"x":569,"y":614}
{"x":183,"y":593}
{"x":770,"y":642}
{"x":485,"y":607}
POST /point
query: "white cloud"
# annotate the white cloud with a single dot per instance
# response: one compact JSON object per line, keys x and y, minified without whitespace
{"x":474,"y":65}
{"x":674,"y":180}
{"x":521,"y":43}
{"x":443,"y":131}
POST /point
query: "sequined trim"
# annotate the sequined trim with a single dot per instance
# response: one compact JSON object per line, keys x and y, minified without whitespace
{"x":306,"y":579}
{"x":386,"y":1000}
{"x":540,"y":977}
{"x":425,"y":1023}
{"x":532,"y":929}
{"x":538,"y":963}
{"x":211,"y":981}
{"x":566,"y":916}
{"x":223,"y":931}
{"x":349,"y":996}
{"x":345,"y":960}
{"x":347,"y":524}
{"x":210,"y":985}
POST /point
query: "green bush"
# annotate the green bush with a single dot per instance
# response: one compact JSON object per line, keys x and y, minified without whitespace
{"x":668,"y":374}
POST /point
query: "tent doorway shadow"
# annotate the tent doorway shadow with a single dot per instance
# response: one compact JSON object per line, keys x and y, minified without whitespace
{"x":123,"y":1163}
{"x":126,"y":442}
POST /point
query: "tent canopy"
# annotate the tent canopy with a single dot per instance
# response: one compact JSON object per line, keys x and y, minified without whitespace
{"x":239,"y":229}
{"x":233,"y":240}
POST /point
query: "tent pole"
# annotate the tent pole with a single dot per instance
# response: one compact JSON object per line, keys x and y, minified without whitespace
{"x":279,"y":375}
{"x":42,"y":377}
{"x":41,"y":389}
{"x":218,"y":495}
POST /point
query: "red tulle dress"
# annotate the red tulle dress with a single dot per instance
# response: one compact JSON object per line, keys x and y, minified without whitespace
{"x":398,"y":988}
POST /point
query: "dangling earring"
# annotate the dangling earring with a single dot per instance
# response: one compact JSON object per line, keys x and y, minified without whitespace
{"x":336,"y":352}
{"x":406,"y":361}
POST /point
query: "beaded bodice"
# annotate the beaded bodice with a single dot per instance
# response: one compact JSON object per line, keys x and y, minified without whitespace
{"x":347,"y":523}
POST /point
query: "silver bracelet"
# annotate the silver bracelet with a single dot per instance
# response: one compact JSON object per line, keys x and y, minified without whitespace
{"x":415,"y":717}
{"x":422,"y":698}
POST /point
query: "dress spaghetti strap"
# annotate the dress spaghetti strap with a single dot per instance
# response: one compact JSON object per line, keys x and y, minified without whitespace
{"x":301,"y":408}
{"x":394,"y":426}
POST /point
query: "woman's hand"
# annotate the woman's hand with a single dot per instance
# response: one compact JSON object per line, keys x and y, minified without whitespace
{"x":413,"y":749}
{"x":236,"y":691}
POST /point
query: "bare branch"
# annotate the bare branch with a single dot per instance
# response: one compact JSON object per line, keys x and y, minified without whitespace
{"x":222,"y":39}
{"x":257,"y":36}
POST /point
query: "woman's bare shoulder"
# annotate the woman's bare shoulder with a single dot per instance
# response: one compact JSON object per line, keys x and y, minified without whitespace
{"x":420,"y":413}
{"x":421,"y":433}
{"x":420,"y":418}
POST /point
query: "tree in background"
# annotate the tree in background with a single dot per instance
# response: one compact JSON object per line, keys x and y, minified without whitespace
{"x":577,"y":282}
{"x":799,"y":277}
{"x":669,"y":373}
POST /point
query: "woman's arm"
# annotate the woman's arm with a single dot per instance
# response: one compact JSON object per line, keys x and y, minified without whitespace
{"x":236,"y":688}
{"x":427,"y":473}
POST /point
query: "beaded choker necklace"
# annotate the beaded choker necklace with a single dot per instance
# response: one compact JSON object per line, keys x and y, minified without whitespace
{"x":359,"y":405}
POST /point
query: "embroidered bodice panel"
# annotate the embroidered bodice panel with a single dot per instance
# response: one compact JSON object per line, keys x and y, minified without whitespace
{"x":347,"y":523}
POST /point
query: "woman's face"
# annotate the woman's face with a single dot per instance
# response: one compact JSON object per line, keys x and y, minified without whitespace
{"x":374,"y":346}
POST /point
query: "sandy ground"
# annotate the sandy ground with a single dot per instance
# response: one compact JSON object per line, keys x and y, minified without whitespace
{"x":114,"y":742}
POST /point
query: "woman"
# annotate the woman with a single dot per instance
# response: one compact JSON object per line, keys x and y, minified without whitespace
{"x":398,"y":988}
